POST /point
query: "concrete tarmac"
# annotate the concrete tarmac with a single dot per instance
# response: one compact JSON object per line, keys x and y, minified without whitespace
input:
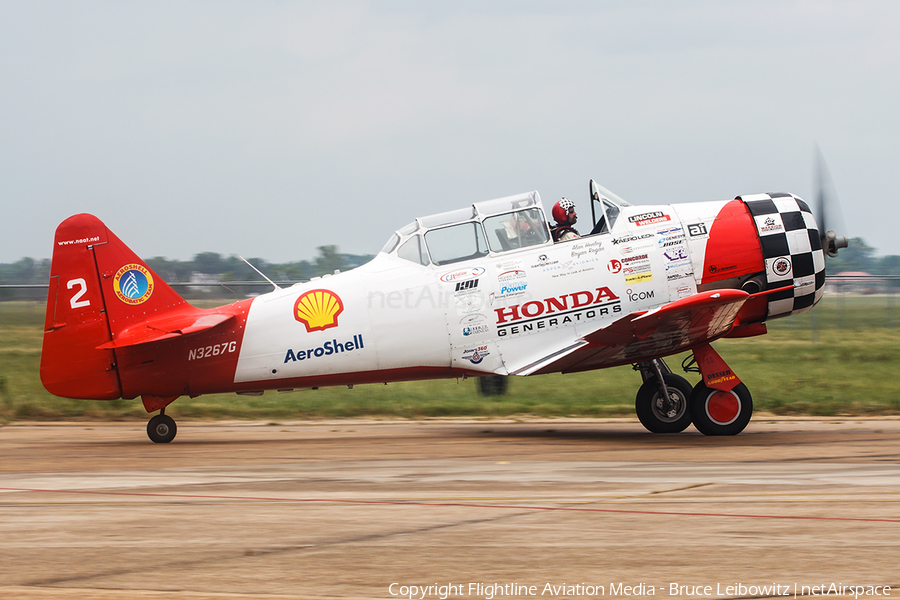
{"x":369,"y":509}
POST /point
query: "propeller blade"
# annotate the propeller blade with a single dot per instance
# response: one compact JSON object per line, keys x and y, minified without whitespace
{"x":829,"y":216}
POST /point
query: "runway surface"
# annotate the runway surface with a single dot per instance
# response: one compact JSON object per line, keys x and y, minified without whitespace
{"x":348,"y":508}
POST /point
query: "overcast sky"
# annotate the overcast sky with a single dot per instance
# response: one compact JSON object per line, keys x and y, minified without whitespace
{"x":270,"y":128}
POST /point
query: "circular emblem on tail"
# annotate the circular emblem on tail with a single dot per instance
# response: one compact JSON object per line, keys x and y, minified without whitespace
{"x":133,"y":284}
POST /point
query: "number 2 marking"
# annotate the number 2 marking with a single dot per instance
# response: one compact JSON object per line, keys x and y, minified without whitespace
{"x":76,"y":301}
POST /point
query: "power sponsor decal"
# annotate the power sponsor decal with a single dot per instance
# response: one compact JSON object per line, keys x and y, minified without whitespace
{"x":327,"y":349}
{"x":557,"y":311}
{"x":133,"y":284}
{"x":461,"y":274}
{"x":318,"y":309}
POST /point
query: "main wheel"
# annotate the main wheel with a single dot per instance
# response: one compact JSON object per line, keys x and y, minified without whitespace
{"x":715,"y":412}
{"x":664,"y":414}
{"x":161,"y":429}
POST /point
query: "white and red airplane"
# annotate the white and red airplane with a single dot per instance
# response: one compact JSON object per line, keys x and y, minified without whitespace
{"x":479,"y":291}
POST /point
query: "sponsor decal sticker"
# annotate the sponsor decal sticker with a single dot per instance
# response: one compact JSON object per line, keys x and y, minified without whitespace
{"x":557,"y":311}
{"x":639,"y":278}
{"x":649,"y":218}
{"x":631,"y":238}
{"x":476,"y":355}
{"x":326,"y":349}
{"x":781,"y":266}
{"x":770,"y":225}
{"x":512,"y":275}
{"x":697,"y":229}
{"x":714,"y":269}
{"x":676,"y":254}
{"x":318,"y":309}
{"x":470,"y":330}
{"x":461,"y":274}
{"x":641,"y":295}
{"x":133,"y":284}
{"x":614,"y":266}
{"x":468,"y":284}
{"x":677,"y":276}
{"x":720,"y":377}
{"x":544,"y":263}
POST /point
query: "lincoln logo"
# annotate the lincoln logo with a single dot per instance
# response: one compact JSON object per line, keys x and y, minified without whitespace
{"x":537,"y":308}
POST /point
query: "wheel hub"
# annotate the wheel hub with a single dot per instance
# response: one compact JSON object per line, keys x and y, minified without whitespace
{"x":723,"y":407}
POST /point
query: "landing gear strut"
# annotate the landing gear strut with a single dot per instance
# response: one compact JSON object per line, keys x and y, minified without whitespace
{"x":161,"y":429}
{"x":663,"y":401}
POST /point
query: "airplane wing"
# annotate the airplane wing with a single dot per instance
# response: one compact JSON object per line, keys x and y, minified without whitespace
{"x":156,"y":330}
{"x":668,"y":329}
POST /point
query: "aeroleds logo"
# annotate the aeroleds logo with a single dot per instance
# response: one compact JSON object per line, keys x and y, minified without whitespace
{"x":133,"y":284}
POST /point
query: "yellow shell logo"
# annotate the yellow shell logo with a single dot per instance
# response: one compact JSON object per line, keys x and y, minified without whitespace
{"x":318,"y":309}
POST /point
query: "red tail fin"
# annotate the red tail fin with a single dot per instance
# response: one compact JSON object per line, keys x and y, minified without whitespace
{"x":98,"y":287}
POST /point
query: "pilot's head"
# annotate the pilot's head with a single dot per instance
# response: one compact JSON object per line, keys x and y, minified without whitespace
{"x":564,"y":212}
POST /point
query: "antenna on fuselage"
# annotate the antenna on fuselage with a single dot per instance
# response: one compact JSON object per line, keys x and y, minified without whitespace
{"x":258,"y":271}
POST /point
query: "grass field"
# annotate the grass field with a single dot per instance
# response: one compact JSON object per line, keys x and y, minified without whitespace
{"x":842,"y":358}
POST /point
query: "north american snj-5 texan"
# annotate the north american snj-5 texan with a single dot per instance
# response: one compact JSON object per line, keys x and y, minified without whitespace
{"x":479,"y":291}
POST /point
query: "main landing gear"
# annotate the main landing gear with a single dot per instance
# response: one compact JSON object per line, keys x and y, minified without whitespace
{"x":161,"y":428}
{"x":666,"y":403}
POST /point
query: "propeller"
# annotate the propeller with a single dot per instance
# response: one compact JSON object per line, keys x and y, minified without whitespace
{"x":829,"y":217}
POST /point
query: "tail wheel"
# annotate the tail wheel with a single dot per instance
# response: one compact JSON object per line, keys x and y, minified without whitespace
{"x":715,"y":412}
{"x":660,"y":414}
{"x":161,"y":429}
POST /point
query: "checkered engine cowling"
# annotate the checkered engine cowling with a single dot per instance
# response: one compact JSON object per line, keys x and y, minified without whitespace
{"x":792,"y":250}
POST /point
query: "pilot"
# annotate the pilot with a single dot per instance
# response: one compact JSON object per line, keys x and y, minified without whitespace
{"x":564,"y":214}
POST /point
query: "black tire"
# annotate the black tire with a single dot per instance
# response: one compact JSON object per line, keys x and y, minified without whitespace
{"x":721,"y":413}
{"x":493,"y":385}
{"x":161,"y":429}
{"x":664,"y":415}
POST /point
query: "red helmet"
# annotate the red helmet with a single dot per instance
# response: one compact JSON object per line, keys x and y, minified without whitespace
{"x":561,"y":210}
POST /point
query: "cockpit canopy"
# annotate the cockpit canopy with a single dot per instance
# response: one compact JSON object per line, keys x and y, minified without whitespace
{"x":489,"y":227}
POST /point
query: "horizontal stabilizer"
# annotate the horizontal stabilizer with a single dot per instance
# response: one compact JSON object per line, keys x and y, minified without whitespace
{"x":171,"y":326}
